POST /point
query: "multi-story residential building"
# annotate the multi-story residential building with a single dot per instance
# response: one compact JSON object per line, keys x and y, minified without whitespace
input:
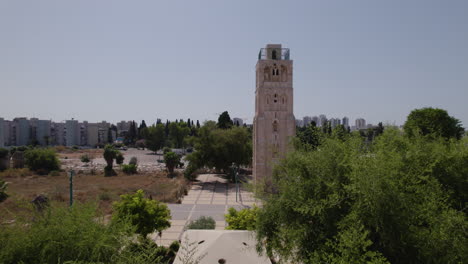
{"x":306,"y":121}
{"x":58,"y":134}
{"x":43,"y":132}
{"x":322,"y":120}
{"x":335,"y":122}
{"x":21,"y":131}
{"x":316,"y":120}
{"x":104,"y":132}
{"x":2,"y":134}
{"x":84,"y":133}
{"x":238,"y":121}
{"x":345,"y":122}
{"x":123,"y":126}
{"x":92,"y":131}
{"x":360,"y":123}
{"x":7,"y":128}
{"x":72,"y":133}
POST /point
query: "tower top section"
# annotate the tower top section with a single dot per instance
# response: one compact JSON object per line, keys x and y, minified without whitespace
{"x":273,"y":52}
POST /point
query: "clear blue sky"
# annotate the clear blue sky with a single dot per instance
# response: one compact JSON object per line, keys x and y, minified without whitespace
{"x":123,"y":60}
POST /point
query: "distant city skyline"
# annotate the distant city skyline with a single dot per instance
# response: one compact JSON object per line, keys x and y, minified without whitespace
{"x":120,"y":60}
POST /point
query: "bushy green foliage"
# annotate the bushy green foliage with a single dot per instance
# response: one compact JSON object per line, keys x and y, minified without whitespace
{"x":119,"y":158}
{"x":155,"y":137}
{"x":219,"y":148}
{"x":172,"y":160}
{"x":85,"y":158}
{"x":145,"y":214}
{"x":3,"y":153}
{"x":224,"y":120}
{"x":133,"y":161}
{"x":433,"y":122}
{"x":42,"y":161}
{"x":146,"y":251}
{"x":62,"y":234}
{"x":397,"y":200}
{"x":110,"y":153}
{"x":204,"y":222}
{"x":245,"y":219}
{"x":129,"y":168}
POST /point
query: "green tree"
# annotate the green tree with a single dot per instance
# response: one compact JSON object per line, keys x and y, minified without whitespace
{"x":433,"y":122}
{"x":224,"y":120}
{"x":119,"y":158}
{"x":178,"y":133}
{"x":309,"y":137}
{"x":393,"y":201}
{"x":172,"y":160}
{"x":155,"y":137}
{"x":4,"y":158}
{"x":145,"y":214}
{"x":42,"y":161}
{"x":110,"y":153}
{"x":219,"y":148}
{"x":245,"y":219}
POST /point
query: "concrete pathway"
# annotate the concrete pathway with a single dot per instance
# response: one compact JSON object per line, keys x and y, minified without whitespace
{"x":211,"y":196}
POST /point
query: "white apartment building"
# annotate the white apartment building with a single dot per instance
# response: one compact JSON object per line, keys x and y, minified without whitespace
{"x":360,"y":123}
{"x":2,"y":134}
{"x":237,"y":120}
{"x":72,"y":132}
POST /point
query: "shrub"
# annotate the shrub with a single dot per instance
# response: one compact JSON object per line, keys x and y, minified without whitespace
{"x":133,"y":161}
{"x":85,"y":158}
{"x":166,"y":150}
{"x":3,"y":153}
{"x":245,"y":219}
{"x":204,"y":222}
{"x":42,"y":161}
{"x":63,"y":234}
{"x":129,"y":169}
{"x":145,"y":214}
{"x":171,"y":159}
{"x":190,"y":172}
{"x":119,"y":158}
{"x":110,"y":153}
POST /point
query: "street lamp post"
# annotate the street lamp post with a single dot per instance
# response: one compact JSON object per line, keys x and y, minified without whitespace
{"x":70,"y":177}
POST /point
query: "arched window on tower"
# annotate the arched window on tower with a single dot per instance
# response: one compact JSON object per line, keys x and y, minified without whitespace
{"x":275,"y":126}
{"x":273,"y":55}
{"x":276,"y":98}
{"x":275,"y":71}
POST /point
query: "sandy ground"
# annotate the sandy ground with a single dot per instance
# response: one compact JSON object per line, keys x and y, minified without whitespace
{"x":147,"y":160}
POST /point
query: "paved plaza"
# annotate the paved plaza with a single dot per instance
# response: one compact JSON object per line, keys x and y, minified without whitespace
{"x":211,"y":196}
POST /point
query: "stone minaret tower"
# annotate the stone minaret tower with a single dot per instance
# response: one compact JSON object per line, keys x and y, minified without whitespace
{"x":274,"y":122}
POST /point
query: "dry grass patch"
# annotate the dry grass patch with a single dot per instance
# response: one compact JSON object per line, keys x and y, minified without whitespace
{"x":24,"y":186}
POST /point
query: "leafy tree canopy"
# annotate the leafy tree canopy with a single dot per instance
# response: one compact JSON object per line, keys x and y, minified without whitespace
{"x":433,"y":122}
{"x":224,"y":120}
{"x":219,"y":148}
{"x":145,"y":214}
{"x":397,"y":200}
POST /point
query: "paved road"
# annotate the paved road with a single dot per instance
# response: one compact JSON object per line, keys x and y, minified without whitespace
{"x":210,"y":196}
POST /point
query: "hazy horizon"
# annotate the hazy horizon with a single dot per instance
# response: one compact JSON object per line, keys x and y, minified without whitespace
{"x":120,"y":60}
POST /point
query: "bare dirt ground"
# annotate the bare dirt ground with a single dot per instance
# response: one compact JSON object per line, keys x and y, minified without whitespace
{"x":147,"y":160}
{"x":91,"y":185}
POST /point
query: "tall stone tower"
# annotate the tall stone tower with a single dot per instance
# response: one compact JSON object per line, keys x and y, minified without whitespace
{"x":274,"y":121}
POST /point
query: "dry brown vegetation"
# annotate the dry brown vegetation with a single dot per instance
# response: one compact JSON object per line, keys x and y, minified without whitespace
{"x":24,"y":186}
